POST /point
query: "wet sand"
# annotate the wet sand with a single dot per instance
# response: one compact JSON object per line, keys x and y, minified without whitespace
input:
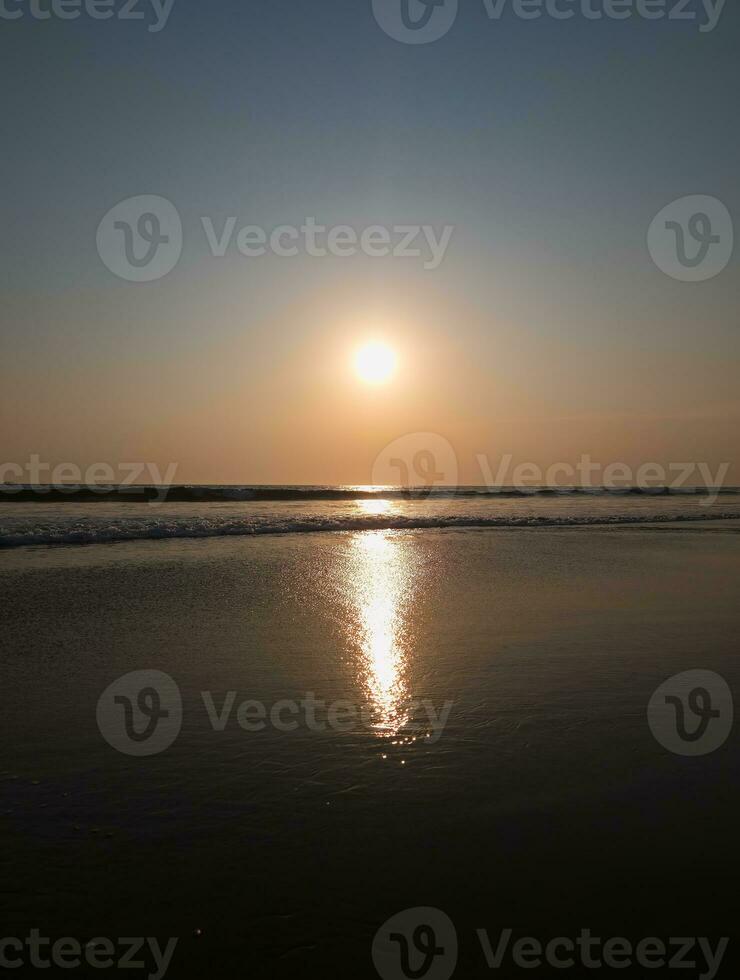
{"x":545,"y":804}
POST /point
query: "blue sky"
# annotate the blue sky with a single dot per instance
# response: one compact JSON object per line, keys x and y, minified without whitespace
{"x":549,"y":146}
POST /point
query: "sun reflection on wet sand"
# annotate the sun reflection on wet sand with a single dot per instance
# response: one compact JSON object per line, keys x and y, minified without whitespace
{"x":381,"y":586}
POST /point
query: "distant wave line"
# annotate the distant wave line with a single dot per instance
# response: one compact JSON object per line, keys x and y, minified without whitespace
{"x":191,"y":493}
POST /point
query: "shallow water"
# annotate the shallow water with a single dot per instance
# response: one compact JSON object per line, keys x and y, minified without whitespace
{"x":543,"y":804}
{"x":94,"y":522}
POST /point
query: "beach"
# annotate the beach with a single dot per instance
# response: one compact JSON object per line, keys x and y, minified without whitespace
{"x":369,"y":489}
{"x":451,"y":717}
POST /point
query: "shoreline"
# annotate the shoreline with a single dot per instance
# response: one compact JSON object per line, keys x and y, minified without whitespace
{"x":95,"y":536}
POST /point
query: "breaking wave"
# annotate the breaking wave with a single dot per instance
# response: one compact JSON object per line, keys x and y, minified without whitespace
{"x":83,"y":532}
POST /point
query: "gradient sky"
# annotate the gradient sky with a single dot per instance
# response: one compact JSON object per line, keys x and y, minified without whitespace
{"x":547,"y":331}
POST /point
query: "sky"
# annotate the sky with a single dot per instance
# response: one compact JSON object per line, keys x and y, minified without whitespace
{"x":546,"y":147}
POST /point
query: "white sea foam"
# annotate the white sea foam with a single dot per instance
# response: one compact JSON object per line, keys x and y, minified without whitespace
{"x":91,"y":531}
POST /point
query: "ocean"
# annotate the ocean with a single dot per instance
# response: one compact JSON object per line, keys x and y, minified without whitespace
{"x":375,"y":704}
{"x":52,"y":515}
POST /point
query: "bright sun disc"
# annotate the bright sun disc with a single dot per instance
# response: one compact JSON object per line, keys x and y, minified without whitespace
{"x":375,"y":363}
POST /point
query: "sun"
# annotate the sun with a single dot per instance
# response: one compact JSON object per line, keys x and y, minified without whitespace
{"x":375,"y":363}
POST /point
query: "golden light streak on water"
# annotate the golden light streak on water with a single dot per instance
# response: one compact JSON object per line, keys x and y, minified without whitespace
{"x":380,"y":585}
